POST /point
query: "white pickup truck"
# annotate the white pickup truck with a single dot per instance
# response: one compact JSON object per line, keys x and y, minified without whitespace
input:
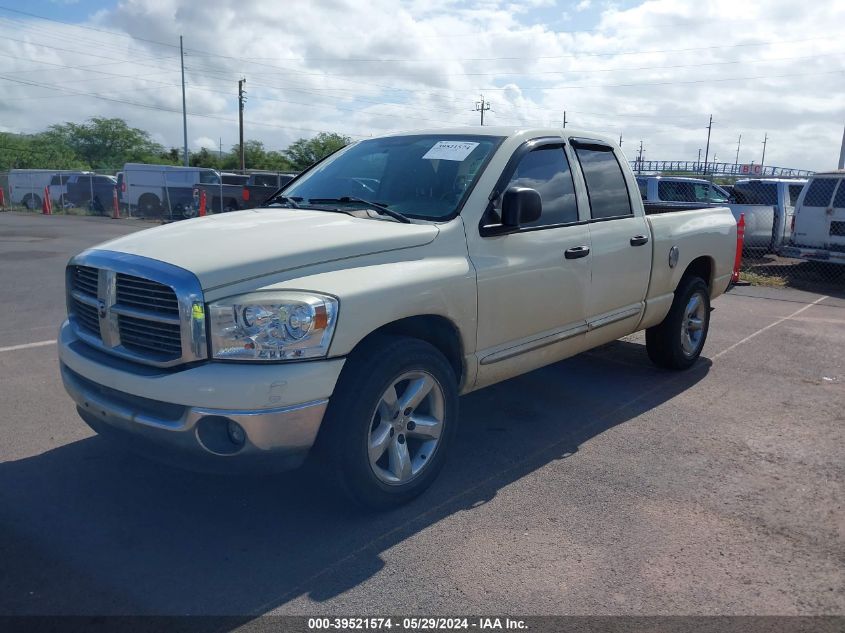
{"x":349,"y":313}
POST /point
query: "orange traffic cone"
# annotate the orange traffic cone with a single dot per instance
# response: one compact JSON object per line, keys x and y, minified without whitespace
{"x":115,"y":206}
{"x":740,"y":238}
{"x":46,"y":206}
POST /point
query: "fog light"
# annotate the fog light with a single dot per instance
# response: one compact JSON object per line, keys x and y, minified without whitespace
{"x":236,"y":433}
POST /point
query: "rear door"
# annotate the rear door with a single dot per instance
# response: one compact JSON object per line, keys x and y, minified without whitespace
{"x":814,"y":215}
{"x":619,"y":240}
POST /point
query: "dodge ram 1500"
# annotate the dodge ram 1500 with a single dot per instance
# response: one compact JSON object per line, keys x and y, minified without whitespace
{"x":344,"y":318}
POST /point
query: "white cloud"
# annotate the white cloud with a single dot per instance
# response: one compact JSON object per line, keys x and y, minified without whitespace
{"x":372,"y":66}
{"x":583,"y":5}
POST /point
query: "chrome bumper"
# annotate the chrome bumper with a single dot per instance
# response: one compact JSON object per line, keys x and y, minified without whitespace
{"x":196,"y":437}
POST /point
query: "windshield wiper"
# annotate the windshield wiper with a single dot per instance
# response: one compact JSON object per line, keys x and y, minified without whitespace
{"x":381,"y":208}
{"x":291,"y":202}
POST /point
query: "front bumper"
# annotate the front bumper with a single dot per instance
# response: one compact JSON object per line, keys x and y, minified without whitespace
{"x":185,"y":416}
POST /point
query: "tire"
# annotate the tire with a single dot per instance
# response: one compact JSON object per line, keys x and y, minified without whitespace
{"x":675,"y":343}
{"x":149,"y":205}
{"x":32,"y":202}
{"x":230,"y":205}
{"x":374,"y":451}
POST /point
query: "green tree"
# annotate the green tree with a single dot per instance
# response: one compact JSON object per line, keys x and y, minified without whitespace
{"x":36,"y":151}
{"x":107,"y":143}
{"x":305,"y":152}
{"x":205,"y":158}
{"x":256,"y":156}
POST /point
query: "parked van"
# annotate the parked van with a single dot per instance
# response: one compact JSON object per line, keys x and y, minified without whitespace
{"x":818,"y":230}
{"x":768,"y":205}
{"x":26,"y":186}
{"x":157,"y":189}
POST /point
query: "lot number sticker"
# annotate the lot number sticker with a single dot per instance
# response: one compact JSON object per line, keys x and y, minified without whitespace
{"x":450,"y":150}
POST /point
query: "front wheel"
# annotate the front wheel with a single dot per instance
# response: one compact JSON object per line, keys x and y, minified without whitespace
{"x":391,"y":421}
{"x":677,"y":342}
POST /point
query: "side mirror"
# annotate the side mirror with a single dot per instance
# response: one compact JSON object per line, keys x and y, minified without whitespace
{"x":520,"y":205}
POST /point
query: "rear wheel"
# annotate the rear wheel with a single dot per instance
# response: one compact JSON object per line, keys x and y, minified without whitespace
{"x":149,"y":205}
{"x":230,"y":205}
{"x":32,"y":202}
{"x":677,"y":342}
{"x":390,"y":422}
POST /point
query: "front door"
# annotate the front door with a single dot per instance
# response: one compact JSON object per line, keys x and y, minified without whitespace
{"x":533,"y":284}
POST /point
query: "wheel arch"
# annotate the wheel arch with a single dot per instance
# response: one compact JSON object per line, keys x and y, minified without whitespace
{"x":437,"y":330}
{"x":701,"y":267}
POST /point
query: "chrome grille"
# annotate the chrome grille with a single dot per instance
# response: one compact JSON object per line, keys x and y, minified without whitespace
{"x":149,"y":337}
{"x":146,"y":295}
{"x":87,"y":317}
{"x":140,"y":309}
{"x":85,"y":280}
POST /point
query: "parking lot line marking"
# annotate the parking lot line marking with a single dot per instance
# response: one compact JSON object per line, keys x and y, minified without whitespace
{"x":13,"y":348}
{"x":768,"y":327}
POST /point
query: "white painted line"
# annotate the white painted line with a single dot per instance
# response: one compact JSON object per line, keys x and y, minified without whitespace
{"x":768,"y":327}
{"x":14,"y":348}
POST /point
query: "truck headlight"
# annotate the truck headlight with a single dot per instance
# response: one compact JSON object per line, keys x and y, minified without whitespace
{"x":272,"y":326}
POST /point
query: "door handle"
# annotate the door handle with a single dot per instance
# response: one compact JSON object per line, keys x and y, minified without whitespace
{"x":639,"y":240}
{"x":576,"y":252}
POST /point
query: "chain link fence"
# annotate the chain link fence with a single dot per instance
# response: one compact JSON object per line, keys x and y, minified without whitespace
{"x":152,"y":192}
{"x":802,"y":244}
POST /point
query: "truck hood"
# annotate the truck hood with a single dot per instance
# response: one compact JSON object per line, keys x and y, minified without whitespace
{"x":232,"y":247}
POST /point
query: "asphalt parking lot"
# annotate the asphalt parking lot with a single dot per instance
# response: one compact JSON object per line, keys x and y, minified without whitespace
{"x":599,"y":485}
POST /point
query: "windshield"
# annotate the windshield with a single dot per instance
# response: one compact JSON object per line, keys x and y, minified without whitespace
{"x":421,"y":176}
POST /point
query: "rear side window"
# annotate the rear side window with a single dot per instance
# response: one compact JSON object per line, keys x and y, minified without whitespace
{"x":56,"y":180}
{"x":756,"y":193}
{"x":794,"y":192}
{"x":819,"y":192}
{"x":546,"y":170}
{"x":676,"y":191}
{"x":606,"y":186}
{"x":839,"y":199}
{"x":264,"y":180}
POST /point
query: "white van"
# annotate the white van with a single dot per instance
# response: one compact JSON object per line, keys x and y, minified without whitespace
{"x":26,"y":186}
{"x":152,"y":189}
{"x":819,"y":222}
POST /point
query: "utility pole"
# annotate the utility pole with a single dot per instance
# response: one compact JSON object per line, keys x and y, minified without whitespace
{"x":707,"y":150}
{"x":241,"y":99}
{"x":482,"y":106}
{"x":765,"y":140}
{"x":738,"y":143}
{"x":842,"y":152}
{"x":698,"y":162}
{"x":220,"y":149}
{"x":620,"y":140}
{"x":184,"y":111}
{"x":640,"y":158}
{"x":564,"y":119}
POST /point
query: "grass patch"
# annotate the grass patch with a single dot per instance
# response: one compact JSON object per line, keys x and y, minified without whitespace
{"x":759,"y":279}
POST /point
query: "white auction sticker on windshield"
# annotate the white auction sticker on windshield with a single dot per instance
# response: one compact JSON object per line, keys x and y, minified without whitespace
{"x":450,"y":150}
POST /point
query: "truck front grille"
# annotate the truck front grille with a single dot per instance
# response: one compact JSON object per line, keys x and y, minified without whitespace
{"x":146,"y":294}
{"x":150,"y":337}
{"x":140,"y":318}
{"x":837,"y":228}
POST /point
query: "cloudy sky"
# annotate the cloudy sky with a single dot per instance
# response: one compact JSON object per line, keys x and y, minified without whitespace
{"x":651,"y":71}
